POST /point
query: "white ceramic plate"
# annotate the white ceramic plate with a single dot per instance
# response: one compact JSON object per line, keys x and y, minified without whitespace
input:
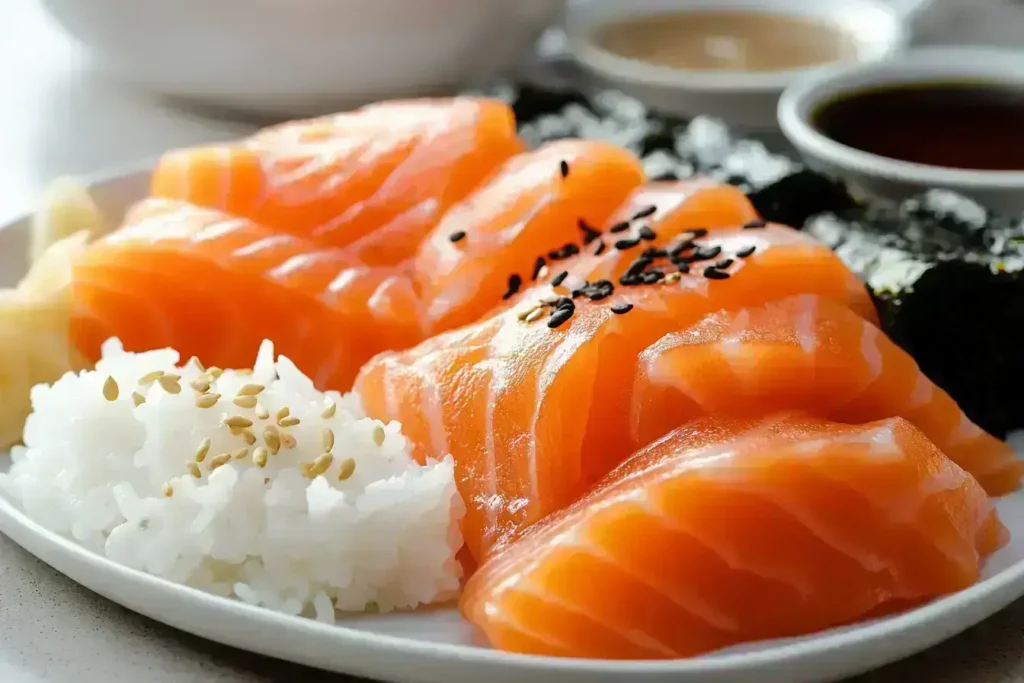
{"x":437,"y":646}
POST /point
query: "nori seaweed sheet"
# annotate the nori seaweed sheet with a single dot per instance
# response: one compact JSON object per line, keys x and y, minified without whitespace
{"x":948,"y":290}
{"x":951,"y":294}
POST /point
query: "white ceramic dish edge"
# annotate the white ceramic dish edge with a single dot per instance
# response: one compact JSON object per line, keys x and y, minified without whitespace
{"x":304,"y":57}
{"x":878,"y":176}
{"x":434,"y":647}
{"x":742,"y":99}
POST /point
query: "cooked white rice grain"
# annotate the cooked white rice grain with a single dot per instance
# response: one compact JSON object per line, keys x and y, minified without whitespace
{"x":97,"y":471}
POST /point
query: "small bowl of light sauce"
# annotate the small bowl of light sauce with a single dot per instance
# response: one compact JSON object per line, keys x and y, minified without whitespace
{"x":949,"y":118}
{"x":729,"y":59}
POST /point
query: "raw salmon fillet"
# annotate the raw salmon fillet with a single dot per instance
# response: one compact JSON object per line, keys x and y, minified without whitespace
{"x":215,"y":286}
{"x":532,"y":205}
{"x":727,"y":531}
{"x":806,"y":353}
{"x":535,"y":415}
{"x":376,"y":179}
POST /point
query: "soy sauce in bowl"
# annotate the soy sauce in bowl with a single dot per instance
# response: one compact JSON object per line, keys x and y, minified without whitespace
{"x":957,"y":125}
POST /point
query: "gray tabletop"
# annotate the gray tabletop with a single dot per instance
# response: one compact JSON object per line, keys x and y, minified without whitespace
{"x":52,"y":630}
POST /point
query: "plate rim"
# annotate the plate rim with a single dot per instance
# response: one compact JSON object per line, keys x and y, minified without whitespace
{"x":991,"y":594}
{"x":993,"y":587}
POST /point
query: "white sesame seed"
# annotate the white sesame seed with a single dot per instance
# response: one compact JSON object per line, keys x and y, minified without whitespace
{"x":110,"y":390}
{"x":346,"y":469}
{"x":204,"y":448}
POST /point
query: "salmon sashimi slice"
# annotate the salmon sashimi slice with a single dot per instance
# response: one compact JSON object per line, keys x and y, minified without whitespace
{"x":378,"y":178}
{"x":532,"y":205}
{"x":657,"y":216}
{"x":534,"y":414}
{"x":215,"y":286}
{"x":729,"y":530}
{"x":812,"y":354}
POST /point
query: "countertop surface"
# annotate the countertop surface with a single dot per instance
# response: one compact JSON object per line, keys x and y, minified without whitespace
{"x":59,"y":118}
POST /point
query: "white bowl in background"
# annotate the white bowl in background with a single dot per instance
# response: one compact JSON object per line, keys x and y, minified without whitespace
{"x":742,"y":98}
{"x":879,"y":177}
{"x":300,"y":57}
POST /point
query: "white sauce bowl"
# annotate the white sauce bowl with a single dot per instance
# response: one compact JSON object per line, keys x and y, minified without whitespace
{"x":741,"y":98}
{"x":874,"y":176}
{"x":299,"y":57}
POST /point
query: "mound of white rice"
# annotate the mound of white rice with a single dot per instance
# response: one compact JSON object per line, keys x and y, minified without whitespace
{"x":263,"y":514}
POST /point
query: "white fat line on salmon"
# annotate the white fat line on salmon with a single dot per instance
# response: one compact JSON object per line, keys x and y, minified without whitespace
{"x":263,"y":244}
{"x":494,"y":366}
{"x":923,"y":390}
{"x":730,"y":559}
{"x":556,"y":361}
{"x":331,"y":364}
{"x":805,"y":516}
{"x":391,"y":371}
{"x":688,"y":601}
{"x":803,"y":324}
{"x":964,"y":430}
{"x":497,"y":617}
{"x":220,"y":229}
{"x":316,"y":176}
{"x":345,"y":278}
{"x":871,"y":341}
{"x":433,"y":408}
{"x":642,"y":640}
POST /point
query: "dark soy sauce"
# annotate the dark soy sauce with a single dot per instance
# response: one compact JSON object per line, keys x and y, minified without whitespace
{"x":975,"y":126}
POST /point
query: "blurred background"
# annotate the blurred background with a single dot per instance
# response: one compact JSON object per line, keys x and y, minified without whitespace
{"x":61,"y":115}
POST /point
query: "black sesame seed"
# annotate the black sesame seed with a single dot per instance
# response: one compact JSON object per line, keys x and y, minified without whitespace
{"x":703,"y":254}
{"x":678,"y":249}
{"x":537,"y":265}
{"x":514,"y":283}
{"x":697,"y":233}
{"x":600,"y":249}
{"x":638,"y":266}
{"x":619,"y":309}
{"x":745,"y":252}
{"x":712,"y":274}
{"x":629,"y":280}
{"x":724,"y":263}
{"x":652,"y":276}
{"x":644,"y":213}
{"x":647,"y":234}
{"x":559,"y":317}
{"x":622,"y":245}
{"x":457,"y":236}
{"x":684,"y":268}
{"x":555,"y":254}
{"x":653,"y":252}
{"x":564,"y":168}
{"x":619,"y":227}
{"x":570,"y":249}
{"x":601,"y":289}
{"x":589,"y":233}
{"x":754,"y":225}
{"x":565,"y":302}
{"x":560,"y":278}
